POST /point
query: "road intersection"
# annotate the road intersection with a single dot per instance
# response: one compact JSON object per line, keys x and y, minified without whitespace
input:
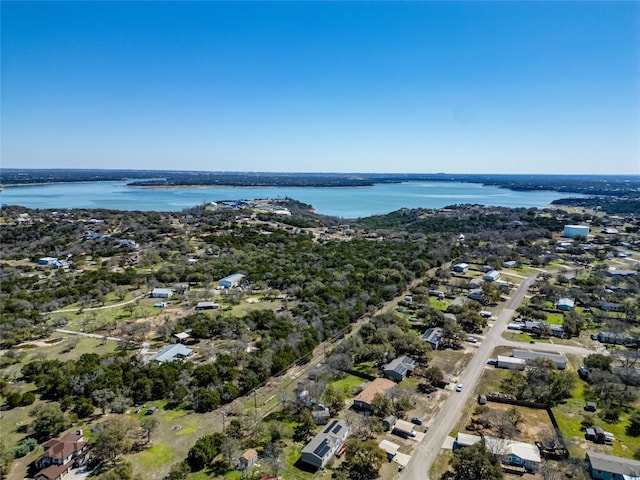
{"x":429,"y":448}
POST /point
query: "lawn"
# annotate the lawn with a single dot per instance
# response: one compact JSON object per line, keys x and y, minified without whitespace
{"x":347,"y":383}
{"x":439,"y":304}
{"x":555,"y":318}
{"x":569,"y":416}
{"x":153,"y":457}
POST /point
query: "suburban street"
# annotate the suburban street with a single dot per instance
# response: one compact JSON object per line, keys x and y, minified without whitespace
{"x":426,"y":452}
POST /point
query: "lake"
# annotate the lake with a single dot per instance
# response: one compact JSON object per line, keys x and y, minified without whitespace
{"x":347,"y":202}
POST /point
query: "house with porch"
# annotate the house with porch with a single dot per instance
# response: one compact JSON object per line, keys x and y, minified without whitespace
{"x":60,"y":455}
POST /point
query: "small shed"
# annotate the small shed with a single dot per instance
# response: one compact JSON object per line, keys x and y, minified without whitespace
{"x":248,"y":458}
{"x":389,"y":422}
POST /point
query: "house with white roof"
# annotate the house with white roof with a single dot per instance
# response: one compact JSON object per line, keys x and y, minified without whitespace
{"x":161,"y":293}
{"x":509,"y":452}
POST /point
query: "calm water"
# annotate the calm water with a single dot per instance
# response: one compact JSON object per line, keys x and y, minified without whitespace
{"x":350,"y":202}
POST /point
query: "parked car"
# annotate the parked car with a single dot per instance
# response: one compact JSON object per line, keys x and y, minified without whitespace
{"x":459,"y":387}
{"x":416,"y":421}
{"x":472,"y":340}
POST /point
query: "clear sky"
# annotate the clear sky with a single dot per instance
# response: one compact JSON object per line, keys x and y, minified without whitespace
{"x":505,"y":87}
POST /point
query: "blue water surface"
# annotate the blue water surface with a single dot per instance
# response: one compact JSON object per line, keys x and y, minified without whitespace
{"x":347,"y":202}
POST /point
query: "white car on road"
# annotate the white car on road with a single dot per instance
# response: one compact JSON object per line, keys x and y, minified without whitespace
{"x":459,"y":387}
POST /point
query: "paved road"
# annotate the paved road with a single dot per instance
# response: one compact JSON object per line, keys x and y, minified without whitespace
{"x":427,"y":451}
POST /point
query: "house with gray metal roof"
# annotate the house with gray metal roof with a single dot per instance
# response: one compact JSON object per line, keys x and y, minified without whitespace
{"x":433,"y":336}
{"x":322,"y":447}
{"x":231,"y":281}
{"x":610,"y":467}
{"x":558,"y":359}
{"x":399,"y":368}
{"x":172,"y":352}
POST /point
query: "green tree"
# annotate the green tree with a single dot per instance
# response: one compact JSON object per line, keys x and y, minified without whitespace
{"x":598,"y":361}
{"x":305,"y":426}
{"x":334,"y":399}
{"x":149,"y":425}
{"x":113,"y":439}
{"x":633,"y":428}
{"x":433,"y":376}
{"x":381,"y":405}
{"x":49,"y":422}
{"x":363,"y":459}
{"x":205,"y":450}
{"x":178,"y":471}
{"x":474,"y":463}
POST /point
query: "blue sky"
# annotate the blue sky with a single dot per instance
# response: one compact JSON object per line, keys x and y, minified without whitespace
{"x":505,"y":87}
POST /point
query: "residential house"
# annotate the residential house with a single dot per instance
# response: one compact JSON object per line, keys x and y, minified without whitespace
{"x":207,"y":306}
{"x":509,"y":452}
{"x":511,"y":363}
{"x":172,"y":352}
{"x":460,"y":268}
{"x":399,"y":368}
{"x":433,"y":336}
{"x":47,"y":261}
{"x":566,"y":304}
{"x":512,"y":453}
{"x":620,"y":272}
{"x":491,"y":276}
{"x":231,"y":281}
{"x":320,"y":414}
{"x":465,"y":440}
{"x":247,"y":459}
{"x":161,"y":293}
{"x":558,"y":359}
{"x":510,"y":264}
{"x":611,"y":306}
{"x":60,"y":455}
{"x":615,"y":338}
{"x":379,"y":386}
{"x":609,"y":467}
{"x":475,"y":294}
{"x":573,"y":231}
{"x":325,"y":444}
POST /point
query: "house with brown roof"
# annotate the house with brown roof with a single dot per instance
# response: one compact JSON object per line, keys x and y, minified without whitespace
{"x":378,"y":386}
{"x":60,"y":455}
{"x":247,"y":459}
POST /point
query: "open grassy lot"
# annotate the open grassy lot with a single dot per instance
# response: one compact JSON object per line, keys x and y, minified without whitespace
{"x":347,"y":383}
{"x":439,"y":304}
{"x":451,"y":362}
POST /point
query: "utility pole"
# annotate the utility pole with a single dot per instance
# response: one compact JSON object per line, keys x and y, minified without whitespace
{"x":255,"y":403}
